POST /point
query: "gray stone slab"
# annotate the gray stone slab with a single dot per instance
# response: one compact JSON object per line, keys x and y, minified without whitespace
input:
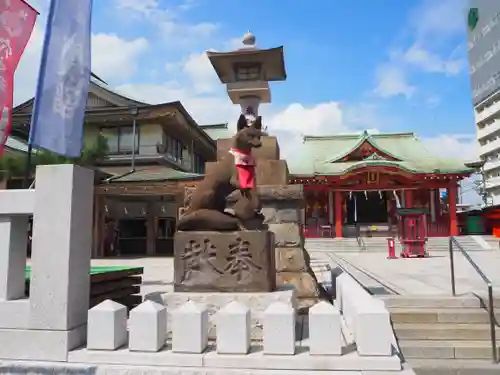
{"x":256,"y":302}
{"x":39,"y":345}
{"x":256,"y":360}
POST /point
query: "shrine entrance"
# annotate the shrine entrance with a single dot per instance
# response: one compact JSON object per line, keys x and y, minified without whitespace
{"x":367,"y":208}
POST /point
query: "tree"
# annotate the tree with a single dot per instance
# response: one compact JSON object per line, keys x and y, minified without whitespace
{"x":12,"y":166}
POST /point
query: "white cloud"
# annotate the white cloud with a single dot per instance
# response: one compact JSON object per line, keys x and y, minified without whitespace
{"x":167,"y":20}
{"x":439,"y":19}
{"x":201,"y":73}
{"x":460,"y":146}
{"x":432,"y":62}
{"x":391,"y":81}
{"x":433,"y":101}
{"x":114,"y":57}
{"x":429,"y":25}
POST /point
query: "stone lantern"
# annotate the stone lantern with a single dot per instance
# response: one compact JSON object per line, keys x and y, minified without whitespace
{"x":247,"y":71}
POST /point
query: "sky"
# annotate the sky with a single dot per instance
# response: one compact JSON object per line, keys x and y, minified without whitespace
{"x":382,"y":65}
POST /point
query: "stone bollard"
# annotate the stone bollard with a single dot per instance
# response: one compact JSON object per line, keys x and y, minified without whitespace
{"x":107,"y":326}
{"x":372,"y":329}
{"x":190,"y":328}
{"x":233,"y":329}
{"x":147,"y":327}
{"x":279,"y":329}
{"x":325,"y":332}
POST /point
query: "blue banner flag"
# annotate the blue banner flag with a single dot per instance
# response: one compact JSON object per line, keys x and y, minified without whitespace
{"x":63,"y":82}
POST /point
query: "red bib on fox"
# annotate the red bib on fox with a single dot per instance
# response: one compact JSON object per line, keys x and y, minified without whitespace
{"x":245,"y":164}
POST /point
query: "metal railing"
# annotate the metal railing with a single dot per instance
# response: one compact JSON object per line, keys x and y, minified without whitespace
{"x":359,"y":239}
{"x":491,"y":307}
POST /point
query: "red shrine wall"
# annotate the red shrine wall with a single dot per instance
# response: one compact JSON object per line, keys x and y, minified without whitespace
{"x":323,"y":206}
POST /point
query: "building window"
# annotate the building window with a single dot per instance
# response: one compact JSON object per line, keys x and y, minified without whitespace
{"x":173,"y":147}
{"x":199,"y":164}
{"x":121,"y":139}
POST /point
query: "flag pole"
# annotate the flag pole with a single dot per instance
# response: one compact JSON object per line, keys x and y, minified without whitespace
{"x":27,"y":167}
{"x":43,"y":63}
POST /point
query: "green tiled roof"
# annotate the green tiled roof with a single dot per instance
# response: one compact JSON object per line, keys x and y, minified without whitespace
{"x":217,"y":131}
{"x":156,"y":174}
{"x":323,"y":155}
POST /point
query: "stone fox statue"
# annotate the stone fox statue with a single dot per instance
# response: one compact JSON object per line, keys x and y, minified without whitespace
{"x":236,"y":171}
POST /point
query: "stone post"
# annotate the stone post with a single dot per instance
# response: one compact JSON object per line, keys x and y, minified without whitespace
{"x":62,"y":242}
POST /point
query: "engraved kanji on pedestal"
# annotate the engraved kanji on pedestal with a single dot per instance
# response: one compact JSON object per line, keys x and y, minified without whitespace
{"x":225,"y":261}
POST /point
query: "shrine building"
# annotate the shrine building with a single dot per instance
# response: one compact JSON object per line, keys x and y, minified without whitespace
{"x":354,"y":184}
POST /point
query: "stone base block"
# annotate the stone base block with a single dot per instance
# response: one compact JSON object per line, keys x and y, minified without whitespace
{"x":291,"y":259}
{"x":256,"y":302}
{"x":304,"y":283}
{"x":267,"y":172}
{"x":15,"y":314}
{"x":272,"y":172}
{"x":123,"y":361}
{"x":269,"y":150}
{"x":224,"y":262}
{"x":40,"y":345}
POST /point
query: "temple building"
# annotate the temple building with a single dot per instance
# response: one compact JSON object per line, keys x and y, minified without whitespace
{"x":153,"y":151}
{"x":354,"y":184}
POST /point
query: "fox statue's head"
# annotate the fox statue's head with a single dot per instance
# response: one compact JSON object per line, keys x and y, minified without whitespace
{"x":248,"y":136}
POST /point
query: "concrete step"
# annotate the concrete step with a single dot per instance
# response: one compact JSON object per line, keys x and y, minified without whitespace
{"x":442,"y":349}
{"x":453,"y":367}
{"x":437,"y":315}
{"x":444,"y":302}
{"x":441,"y":331}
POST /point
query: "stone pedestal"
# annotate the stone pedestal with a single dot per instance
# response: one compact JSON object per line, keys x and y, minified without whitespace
{"x":256,"y":302}
{"x":281,"y":205}
{"x":224,"y":262}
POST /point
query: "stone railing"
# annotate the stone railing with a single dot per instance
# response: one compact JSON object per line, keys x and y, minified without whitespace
{"x":53,"y":319}
{"x":320,"y":342}
{"x":366,"y":317}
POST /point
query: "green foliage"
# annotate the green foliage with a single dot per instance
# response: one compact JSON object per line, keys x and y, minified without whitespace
{"x":14,"y":165}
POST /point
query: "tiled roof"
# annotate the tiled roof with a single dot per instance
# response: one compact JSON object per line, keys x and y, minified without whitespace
{"x":323,"y":155}
{"x":150,"y":174}
{"x":16,"y":144}
{"x":217,"y":131}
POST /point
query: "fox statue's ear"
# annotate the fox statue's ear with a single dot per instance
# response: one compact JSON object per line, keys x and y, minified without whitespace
{"x":258,"y":123}
{"x":242,"y":122}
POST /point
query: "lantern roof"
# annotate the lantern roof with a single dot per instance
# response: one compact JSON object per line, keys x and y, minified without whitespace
{"x":271,"y":60}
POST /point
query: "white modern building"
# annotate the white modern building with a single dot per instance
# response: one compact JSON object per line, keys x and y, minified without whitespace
{"x":487,"y":116}
{"x":483,"y":22}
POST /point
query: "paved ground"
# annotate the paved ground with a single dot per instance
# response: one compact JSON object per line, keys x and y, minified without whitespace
{"x":406,"y":276}
{"x":429,"y":275}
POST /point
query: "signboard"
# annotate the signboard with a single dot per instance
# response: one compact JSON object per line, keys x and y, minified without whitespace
{"x":483,"y":26}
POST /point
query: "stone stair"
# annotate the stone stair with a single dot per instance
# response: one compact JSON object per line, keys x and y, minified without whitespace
{"x":453,"y":330}
{"x":379,"y":244}
{"x":492,"y":241}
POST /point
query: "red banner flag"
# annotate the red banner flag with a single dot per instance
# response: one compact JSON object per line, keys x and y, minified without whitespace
{"x":17,"y":20}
